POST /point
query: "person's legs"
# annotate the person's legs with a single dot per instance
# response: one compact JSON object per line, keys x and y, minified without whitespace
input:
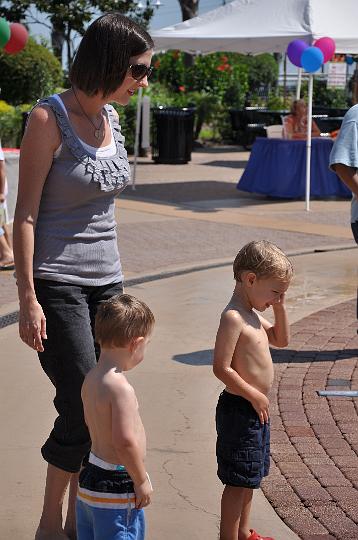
{"x":244,"y":526}
{"x":7,"y":235}
{"x":6,"y":254}
{"x":50,"y":526}
{"x":70,"y":523}
{"x":354,"y":226}
{"x":232,"y":503}
{"x":69,"y":354}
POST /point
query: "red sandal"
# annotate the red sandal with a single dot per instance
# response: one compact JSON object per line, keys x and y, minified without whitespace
{"x":255,"y":536}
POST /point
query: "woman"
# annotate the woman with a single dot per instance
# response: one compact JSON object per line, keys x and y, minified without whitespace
{"x":72,"y":166}
{"x":295,"y":124}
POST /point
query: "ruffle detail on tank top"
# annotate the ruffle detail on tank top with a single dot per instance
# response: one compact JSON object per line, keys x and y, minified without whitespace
{"x":109,"y":173}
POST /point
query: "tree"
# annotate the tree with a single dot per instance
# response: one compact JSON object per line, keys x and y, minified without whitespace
{"x":68,"y":18}
{"x":189,"y":8}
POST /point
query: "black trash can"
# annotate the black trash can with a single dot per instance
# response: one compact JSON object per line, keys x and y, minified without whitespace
{"x":172,"y":134}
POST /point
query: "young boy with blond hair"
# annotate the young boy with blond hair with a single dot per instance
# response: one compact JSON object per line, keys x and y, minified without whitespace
{"x":114,"y":486}
{"x":242,"y":361}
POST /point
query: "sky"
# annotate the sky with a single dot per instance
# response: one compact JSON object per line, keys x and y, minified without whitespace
{"x":167,"y":14}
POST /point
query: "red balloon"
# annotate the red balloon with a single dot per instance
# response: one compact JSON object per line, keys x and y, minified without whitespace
{"x":18,"y":38}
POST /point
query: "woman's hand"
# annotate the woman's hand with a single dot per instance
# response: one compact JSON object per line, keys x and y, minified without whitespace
{"x":32,"y":325}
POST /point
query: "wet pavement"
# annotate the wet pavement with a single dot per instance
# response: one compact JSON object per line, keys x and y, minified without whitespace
{"x":192,"y":218}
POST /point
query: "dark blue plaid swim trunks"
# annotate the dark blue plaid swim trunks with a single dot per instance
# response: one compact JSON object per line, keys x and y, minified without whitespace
{"x":243,"y":443}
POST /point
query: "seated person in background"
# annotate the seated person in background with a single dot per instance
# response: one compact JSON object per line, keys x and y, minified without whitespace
{"x":295,"y":124}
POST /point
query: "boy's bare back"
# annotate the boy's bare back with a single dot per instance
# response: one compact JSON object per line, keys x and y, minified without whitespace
{"x":111,"y":413}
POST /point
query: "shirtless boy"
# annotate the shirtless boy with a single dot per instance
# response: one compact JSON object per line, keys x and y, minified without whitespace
{"x":114,"y":486}
{"x":242,"y":361}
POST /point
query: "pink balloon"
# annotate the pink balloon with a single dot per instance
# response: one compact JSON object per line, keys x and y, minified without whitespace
{"x":327,"y":46}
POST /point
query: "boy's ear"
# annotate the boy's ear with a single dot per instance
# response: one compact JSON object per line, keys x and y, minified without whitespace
{"x":250,"y":278}
{"x":135,"y":342}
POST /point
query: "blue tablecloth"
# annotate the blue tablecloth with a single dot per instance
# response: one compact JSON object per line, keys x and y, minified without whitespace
{"x":277,"y":167}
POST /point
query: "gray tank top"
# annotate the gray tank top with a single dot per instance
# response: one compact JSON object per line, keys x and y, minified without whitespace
{"x":75,"y":236}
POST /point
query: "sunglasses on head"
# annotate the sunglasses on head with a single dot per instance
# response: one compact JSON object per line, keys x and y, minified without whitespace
{"x":139,"y":71}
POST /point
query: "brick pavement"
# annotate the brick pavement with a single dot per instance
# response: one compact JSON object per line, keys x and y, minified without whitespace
{"x":313,"y":482}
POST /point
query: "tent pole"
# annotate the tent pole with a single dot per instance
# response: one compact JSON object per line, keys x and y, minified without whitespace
{"x":309,"y":141}
{"x":299,"y":81}
{"x":136,"y":140}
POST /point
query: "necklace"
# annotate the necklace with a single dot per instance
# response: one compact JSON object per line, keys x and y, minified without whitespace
{"x":98,"y":132}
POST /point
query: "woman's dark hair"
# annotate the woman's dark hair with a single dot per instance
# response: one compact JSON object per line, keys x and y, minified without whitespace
{"x":102,"y":59}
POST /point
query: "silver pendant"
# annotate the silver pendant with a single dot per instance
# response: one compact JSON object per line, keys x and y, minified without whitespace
{"x":97,"y":133}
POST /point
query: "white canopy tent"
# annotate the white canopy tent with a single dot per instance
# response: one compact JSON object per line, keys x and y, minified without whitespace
{"x":257,"y":26}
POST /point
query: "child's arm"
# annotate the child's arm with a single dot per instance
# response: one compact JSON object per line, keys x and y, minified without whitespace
{"x":226,"y":340}
{"x":279,"y":333}
{"x":126,"y":444}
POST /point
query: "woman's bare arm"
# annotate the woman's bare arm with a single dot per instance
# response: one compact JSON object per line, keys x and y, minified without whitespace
{"x":40,"y":140}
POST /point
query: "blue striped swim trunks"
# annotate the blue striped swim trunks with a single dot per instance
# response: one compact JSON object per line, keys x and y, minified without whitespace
{"x":105,"y":506}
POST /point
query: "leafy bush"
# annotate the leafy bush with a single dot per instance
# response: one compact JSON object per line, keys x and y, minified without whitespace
{"x":262,"y":70}
{"x":11,"y":124}
{"x":329,"y":97}
{"x":29,"y":75}
{"x":213,"y":84}
{"x":127,"y":120}
{"x":219,"y":74}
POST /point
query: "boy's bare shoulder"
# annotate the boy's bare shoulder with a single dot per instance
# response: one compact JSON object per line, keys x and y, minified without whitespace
{"x":119,"y":389}
{"x":113,"y":385}
{"x":231,"y":317}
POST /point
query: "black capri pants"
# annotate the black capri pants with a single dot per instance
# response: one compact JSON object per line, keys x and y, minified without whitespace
{"x":69,"y":353}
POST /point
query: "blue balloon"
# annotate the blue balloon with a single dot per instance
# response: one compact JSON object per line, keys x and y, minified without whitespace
{"x":349,"y":60}
{"x":312,"y":58}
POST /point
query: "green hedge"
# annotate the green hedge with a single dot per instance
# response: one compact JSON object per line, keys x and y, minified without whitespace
{"x":29,"y":75}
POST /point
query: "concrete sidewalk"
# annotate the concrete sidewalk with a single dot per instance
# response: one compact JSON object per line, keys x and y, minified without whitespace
{"x":178,"y":219}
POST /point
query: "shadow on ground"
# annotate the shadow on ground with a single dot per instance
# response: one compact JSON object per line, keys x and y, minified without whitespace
{"x":197,"y":358}
{"x":189,"y":192}
{"x":226,"y":163}
{"x":282,"y":356}
{"x":205,"y":357}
